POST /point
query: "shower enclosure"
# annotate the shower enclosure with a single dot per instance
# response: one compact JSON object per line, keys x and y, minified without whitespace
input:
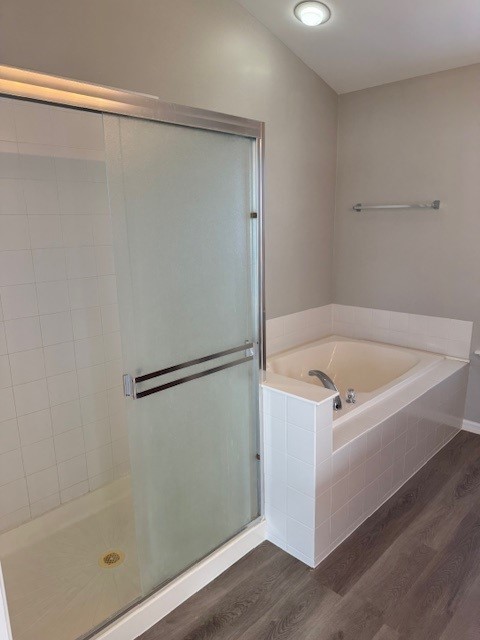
{"x":130,"y":345}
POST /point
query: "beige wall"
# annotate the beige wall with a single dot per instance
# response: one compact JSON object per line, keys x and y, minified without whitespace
{"x":413,"y":140}
{"x":209,"y":54}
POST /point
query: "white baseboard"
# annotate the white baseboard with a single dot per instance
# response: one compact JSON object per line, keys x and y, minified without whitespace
{"x":146,"y":614}
{"x":469,"y":425}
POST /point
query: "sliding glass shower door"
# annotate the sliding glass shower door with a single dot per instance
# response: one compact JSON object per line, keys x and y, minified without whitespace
{"x":185,"y":249}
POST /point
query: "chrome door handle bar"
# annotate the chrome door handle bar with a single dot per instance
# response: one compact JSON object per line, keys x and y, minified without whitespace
{"x":130,"y":383}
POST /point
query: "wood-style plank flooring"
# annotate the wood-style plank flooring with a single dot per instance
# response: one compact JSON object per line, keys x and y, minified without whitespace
{"x":410,"y":572}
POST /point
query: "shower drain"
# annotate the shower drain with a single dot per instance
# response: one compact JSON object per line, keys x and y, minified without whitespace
{"x":111,"y":559}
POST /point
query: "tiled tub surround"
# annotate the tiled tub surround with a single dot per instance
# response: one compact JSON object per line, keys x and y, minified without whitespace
{"x":322,"y":481}
{"x":297,"y":328}
{"x":446,"y":336}
{"x":62,"y":423}
{"x":427,"y":333}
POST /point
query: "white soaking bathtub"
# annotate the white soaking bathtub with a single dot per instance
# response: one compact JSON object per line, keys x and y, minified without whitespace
{"x":372,"y":369}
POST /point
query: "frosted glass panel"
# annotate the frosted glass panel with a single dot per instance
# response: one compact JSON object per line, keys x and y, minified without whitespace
{"x":197,"y":454}
{"x":181,"y":201}
{"x":187,"y":197}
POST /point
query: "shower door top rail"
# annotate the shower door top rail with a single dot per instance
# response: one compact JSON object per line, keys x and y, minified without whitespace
{"x":44,"y":87}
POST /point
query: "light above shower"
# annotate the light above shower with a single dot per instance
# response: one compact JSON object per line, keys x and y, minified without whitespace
{"x":312,"y":14}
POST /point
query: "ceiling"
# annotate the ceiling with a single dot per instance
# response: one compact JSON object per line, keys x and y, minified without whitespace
{"x":371,"y":42}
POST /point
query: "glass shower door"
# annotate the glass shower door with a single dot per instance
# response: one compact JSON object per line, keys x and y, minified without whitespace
{"x":185,"y":241}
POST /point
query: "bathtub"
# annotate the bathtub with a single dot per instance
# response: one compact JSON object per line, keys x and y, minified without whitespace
{"x":372,"y":369}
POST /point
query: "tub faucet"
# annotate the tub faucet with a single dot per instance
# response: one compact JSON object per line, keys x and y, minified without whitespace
{"x":328,"y":383}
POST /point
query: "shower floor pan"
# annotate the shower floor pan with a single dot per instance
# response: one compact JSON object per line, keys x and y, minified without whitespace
{"x":72,"y":568}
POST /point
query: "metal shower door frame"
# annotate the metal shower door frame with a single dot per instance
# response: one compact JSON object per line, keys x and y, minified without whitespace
{"x":64,"y":92}
{"x":50,"y":89}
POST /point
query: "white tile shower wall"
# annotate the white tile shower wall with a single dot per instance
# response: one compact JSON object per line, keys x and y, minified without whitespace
{"x":62,"y":419}
{"x":439,"y":335}
{"x":315,"y":498}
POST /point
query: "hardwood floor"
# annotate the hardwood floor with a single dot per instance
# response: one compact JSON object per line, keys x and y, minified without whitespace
{"x":410,"y":572}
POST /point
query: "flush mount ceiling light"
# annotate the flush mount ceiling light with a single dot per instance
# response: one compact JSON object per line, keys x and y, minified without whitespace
{"x":312,"y":13}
